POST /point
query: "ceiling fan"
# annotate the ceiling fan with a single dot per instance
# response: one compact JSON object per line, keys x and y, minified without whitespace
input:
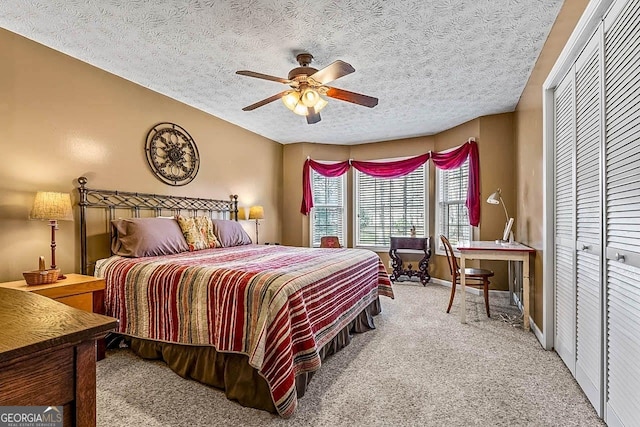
{"x":308,"y":86}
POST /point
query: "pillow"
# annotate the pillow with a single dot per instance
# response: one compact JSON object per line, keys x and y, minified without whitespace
{"x":198,"y":232}
{"x":230,"y":233}
{"x":139,"y":237}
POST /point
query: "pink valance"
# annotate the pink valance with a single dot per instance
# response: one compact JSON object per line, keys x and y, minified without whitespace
{"x":397,"y":168}
{"x":392,"y":169}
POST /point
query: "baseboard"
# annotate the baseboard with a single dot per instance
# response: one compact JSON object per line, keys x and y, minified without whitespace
{"x":469,"y":289}
{"x":537,"y":332}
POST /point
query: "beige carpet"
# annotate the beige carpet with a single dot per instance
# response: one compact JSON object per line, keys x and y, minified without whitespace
{"x":420,"y":367}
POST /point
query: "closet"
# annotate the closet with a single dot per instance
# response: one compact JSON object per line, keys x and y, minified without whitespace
{"x":596,"y":215}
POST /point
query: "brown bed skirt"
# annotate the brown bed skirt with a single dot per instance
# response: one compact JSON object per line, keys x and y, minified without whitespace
{"x":231,"y":372}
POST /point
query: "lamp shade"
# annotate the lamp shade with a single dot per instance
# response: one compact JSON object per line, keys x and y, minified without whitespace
{"x":256,"y":212}
{"x":50,"y":205}
{"x":320,"y":104}
{"x":242,"y":214}
{"x":309,"y":98}
{"x":291,"y":99}
{"x":494,"y":198}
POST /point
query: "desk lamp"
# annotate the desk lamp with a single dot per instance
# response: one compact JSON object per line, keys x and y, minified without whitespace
{"x":495,"y":199}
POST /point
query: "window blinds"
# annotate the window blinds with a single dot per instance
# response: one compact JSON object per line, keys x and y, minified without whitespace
{"x":328,"y":211}
{"x":390,"y":207}
{"x":453,"y":219}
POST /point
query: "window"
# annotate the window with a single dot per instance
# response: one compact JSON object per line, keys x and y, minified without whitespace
{"x":388,"y":207}
{"x":328,"y":213}
{"x":452,"y":218}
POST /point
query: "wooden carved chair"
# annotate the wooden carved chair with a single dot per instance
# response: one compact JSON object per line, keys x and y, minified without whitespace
{"x":330,"y":242}
{"x":475,"y":277}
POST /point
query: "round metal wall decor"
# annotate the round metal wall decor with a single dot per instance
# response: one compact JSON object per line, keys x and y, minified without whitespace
{"x":172,"y":154}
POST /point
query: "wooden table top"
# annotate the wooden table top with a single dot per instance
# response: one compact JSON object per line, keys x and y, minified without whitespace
{"x":491,"y":245}
{"x":72,"y":279}
{"x":30,"y":322}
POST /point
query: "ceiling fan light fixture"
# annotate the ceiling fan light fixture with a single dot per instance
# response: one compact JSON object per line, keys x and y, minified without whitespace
{"x":320,"y":104}
{"x":300,"y":109}
{"x":307,"y":88}
{"x":309,"y":97}
{"x":291,"y":99}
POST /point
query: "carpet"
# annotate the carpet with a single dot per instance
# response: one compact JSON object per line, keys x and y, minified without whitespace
{"x":420,"y":367}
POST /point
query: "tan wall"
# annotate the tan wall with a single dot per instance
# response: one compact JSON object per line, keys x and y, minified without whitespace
{"x":528,"y":138}
{"x":497,"y":168}
{"x":495,"y":138}
{"x":61,"y":118}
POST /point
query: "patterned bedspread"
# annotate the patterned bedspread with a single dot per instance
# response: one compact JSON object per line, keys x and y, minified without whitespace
{"x":277,"y":304}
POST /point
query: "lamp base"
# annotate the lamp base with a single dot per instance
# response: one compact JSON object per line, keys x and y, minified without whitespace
{"x":61,"y":277}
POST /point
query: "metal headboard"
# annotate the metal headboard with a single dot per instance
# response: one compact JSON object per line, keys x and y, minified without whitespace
{"x":110,"y":200}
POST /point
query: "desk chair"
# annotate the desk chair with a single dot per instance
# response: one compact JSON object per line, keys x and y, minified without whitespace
{"x":330,"y":242}
{"x":476,"y":277}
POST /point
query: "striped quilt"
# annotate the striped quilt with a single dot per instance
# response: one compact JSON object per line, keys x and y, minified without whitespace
{"x":277,"y":304}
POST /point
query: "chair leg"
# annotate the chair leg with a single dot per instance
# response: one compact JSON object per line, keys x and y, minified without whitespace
{"x":453,"y":293}
{"x":485,"y":291}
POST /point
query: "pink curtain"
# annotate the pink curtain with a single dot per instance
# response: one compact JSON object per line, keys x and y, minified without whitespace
{"x":397,"y":168}
{"x":393,"y":169}
{"x":454,"y":159}
{"x":330,"y":170}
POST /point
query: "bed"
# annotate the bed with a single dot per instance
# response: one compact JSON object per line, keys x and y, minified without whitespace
{"x":253,"y":320}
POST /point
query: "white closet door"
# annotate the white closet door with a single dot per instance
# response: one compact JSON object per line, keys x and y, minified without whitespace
{"x":588,"y":222}
{"x":564,"y":221}
{"x":622,"y":132}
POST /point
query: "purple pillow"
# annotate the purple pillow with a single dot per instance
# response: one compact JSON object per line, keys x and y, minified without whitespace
{"x":140,"y":237}
{"x":230,"y":233}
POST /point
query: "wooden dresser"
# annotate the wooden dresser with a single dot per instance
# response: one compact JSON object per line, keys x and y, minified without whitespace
{"x":48,"y":355}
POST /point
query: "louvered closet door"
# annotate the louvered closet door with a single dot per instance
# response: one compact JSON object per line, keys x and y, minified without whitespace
{"x":564,"y":221}
{"x":622,"y":133}
{"x":588,"y":222}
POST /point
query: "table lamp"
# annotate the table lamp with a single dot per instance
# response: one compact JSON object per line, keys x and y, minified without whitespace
{"x":257,"y":213}
{"x":53,"y":207}
{"x":495,"y":199}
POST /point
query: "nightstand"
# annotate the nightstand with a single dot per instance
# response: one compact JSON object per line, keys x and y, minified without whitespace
{"x":78,"y":291}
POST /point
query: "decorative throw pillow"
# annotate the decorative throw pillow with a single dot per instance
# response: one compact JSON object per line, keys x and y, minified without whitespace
{"x":230,"y":233}
{"x":198,"y":232}
{"x":140,"y":237}
{"x":205,"y":226}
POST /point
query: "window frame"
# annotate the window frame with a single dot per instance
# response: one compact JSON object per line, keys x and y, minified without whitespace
{"x":356,"y":207}
{"x":343,"y":184}
{"x":439,"y":248}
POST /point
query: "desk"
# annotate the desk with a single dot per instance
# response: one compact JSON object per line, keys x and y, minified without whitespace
{"x":490,"y":250}
{"x":48,"y":355}
{"x":78,"y":291}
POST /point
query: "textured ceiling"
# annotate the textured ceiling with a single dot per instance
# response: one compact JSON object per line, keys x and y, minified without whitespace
{"x":433,"y":64}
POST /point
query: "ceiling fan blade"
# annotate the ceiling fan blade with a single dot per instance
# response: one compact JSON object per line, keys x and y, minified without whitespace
{"x":265,"y":101}
{"x":312,"y":117}
{"x":263,"y":76}
{"x":332,"y":72}
{"x":355,"y":98}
